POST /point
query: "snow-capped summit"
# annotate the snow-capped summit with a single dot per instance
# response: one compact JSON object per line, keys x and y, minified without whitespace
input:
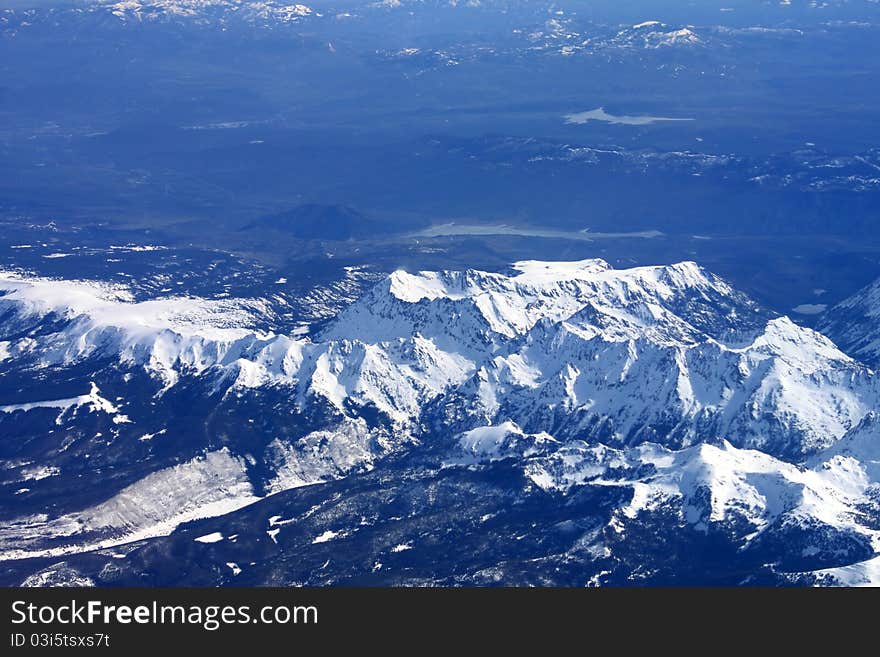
{"x":747,"y":491}
{"x":647,"y":24}
{"x":114,"y":306}
{"x":486,"y":306}
{"x":165,"y":335}
{"x":654,"y":34}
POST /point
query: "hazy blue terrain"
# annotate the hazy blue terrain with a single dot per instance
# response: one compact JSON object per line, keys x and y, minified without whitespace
{"x":226,"y":149}
{"x":196,"y":126}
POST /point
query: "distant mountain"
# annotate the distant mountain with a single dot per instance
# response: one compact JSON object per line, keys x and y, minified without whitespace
{"x":663,"y":383}
{"x":854,"y":324}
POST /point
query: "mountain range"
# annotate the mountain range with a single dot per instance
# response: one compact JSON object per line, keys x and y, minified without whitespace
{"x":618,"y":421}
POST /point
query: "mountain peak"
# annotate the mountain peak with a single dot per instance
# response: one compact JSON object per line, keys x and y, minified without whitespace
{"x":577,"y":269}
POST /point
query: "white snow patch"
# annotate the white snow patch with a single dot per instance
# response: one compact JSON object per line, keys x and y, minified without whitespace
{"x":93,"y":400}
{"x":150,"y":436}
{"x":599,"y":114}
{"x":328,"y":535}
{"x":40,"y":472}
{"x":136,"y":248}
{"x":865,"y":573}
{"x":213,"y":537}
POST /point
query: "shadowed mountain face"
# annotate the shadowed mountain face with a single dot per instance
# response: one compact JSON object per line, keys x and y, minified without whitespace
{"x":853,"y":323}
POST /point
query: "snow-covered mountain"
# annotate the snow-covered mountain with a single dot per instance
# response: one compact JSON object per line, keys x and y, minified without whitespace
{"x":654,"y":34}
{"x":663,"y":382}
{"x":668,"y":354}
{"x":749,"y":494}
{"x":151,"y":10}
{"x":854,"y":322}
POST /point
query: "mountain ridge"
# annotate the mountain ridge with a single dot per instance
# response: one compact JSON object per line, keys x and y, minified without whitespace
{"x":662,"y":381}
